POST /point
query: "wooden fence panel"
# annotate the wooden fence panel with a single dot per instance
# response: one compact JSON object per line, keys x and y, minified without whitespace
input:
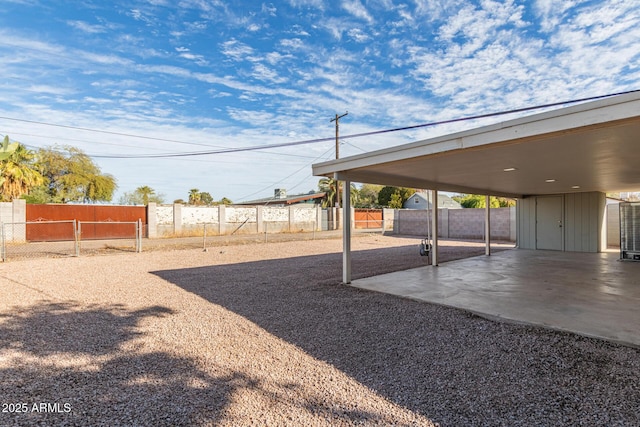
{"x":368,"y":218}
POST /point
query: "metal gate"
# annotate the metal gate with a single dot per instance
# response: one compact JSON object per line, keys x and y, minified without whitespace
{"x":64,"y":238}
{"x":630,"y":231}
{"x":83,"y":213}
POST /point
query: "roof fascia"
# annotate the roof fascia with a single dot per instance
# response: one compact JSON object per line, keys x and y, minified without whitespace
{"x":560,"y":120}
{"x":403,"y":181}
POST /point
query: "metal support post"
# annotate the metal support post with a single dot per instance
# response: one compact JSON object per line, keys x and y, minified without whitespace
{"x":434,"y":228}
{"x":487,"y":226}
{"x":346,"y":233}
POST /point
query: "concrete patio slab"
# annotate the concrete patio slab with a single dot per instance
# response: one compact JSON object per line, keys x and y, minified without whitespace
{"x":592,"y":294}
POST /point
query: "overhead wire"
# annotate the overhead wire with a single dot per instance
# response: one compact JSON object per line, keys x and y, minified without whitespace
{"x":354,"y":146}
{"x":108,"y":132}
{"x":133,"y":146}
{"x":226,"y":150}
{"x":289,"y":176}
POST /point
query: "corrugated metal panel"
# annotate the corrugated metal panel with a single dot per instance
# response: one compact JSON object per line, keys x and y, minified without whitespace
{"x":89,"y":213}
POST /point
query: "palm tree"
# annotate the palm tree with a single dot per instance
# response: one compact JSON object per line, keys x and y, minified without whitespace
{"x":328,"y":186}
{"x":17,"y":175}
{"x":194,"y":196}
{"x":7,"y":149}
{"x":331,"y":188}
{"x":146,"y":192}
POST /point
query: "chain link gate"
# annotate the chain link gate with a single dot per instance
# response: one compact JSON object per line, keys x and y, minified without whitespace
{"x":39,"y":238}
{"x":63,"y":238}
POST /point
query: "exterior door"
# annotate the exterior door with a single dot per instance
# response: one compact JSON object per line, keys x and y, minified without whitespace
{"x":549,"y":231}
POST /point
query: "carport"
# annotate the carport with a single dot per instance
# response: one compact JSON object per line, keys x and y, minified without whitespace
{"x":558,"y":165}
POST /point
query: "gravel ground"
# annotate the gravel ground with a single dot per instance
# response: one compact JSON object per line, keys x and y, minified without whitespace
{"x":264,"y":334}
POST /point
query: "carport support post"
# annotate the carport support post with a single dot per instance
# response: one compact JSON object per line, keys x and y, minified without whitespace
{"x":487,"y":226}
{"x":434,"y":228}
{"x":346,"y":231}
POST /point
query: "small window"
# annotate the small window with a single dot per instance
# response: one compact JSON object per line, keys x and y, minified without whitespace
{"x":416,"y":200}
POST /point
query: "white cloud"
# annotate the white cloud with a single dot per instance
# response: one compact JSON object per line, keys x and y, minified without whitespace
{"x":480,"y":25}
{"x":196,"y":26}
{"x":294,"y":43}
{"x":258,"y":118}
{"x":299,"y":31}
{"x":358,"y":35}
{"x":551,"y":12}
{"x":102,"y":59}
{"x":198,"y":59}
{"x":274,"y":58}
{"x":237,"y":50}
{"x":269,"y":9}
{"x":30,"y":46}
{"x":262,"y":72}
{"x":357,"y":9}
{"x":53,"y":90}
{"x":86,"y":27}
{"x":186,"y":54}
{"x":433,"y":10}
{"x":98,"y":101}
{"x":317,"y":4}
{"x":336,"y":26}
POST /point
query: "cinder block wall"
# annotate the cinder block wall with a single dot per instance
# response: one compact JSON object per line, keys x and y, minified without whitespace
{"x":457,"y":223}
{"x":180,"y":219}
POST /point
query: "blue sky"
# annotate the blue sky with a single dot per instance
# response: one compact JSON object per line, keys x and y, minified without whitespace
{"x":167,"y":77}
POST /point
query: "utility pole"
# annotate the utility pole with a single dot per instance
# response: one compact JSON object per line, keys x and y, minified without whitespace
{"x":337,"y":119}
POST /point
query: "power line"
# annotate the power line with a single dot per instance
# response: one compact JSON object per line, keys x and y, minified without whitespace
{"x":5,"y":132}
{"x":354,"y":146}
{"x":289,"y":176}
{"x":128,"y":135}
{"x":487,"y":115}
{"x":308,"y":141}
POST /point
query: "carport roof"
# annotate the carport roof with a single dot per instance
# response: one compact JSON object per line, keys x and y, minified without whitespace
{"x":593,"y":146}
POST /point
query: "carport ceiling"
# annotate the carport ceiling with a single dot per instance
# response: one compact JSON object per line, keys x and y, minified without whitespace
{"x":588,"y":147}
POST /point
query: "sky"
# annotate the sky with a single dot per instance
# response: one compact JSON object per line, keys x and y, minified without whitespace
{"x":146,"y":86}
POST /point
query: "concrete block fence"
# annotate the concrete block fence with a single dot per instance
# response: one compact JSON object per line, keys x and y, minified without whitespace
{"x":454,"y":223}
{"x":171,"y":220}
{"x":177,"y":219}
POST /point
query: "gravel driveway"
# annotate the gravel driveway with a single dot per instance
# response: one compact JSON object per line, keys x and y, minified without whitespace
{"x":264,"y":334}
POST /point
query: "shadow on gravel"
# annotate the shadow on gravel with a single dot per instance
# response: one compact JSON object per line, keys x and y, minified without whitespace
{"x":450,"y":366}
{"x":74,"y":360}
{"x":69,"y":364}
